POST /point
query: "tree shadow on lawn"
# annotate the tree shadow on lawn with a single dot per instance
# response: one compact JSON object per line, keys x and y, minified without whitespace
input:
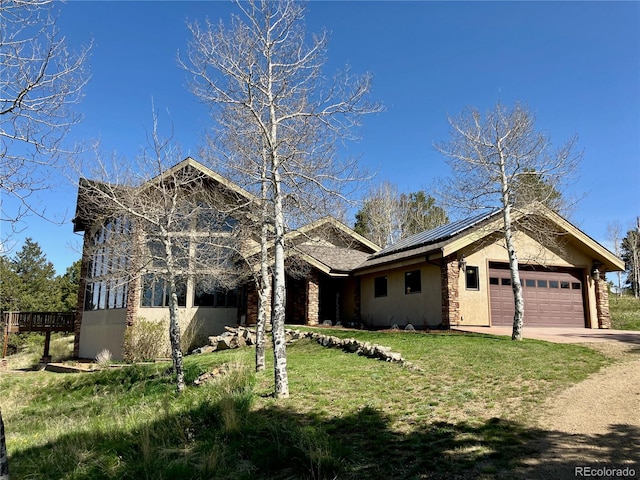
{"x":228,"y":440}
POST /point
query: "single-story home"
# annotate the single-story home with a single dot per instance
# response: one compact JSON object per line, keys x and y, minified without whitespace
{"x":456,"y":274}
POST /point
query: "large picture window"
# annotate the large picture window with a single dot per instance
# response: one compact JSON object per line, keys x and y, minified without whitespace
{"x":155,"y":292}
{"x":412,"y":282}
{"x":211,"y":296}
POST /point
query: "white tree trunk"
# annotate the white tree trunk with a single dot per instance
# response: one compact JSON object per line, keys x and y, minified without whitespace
{"x":279,"y":290}
{"x":264,"y":291}
{"x":264,"y":283}
{"x":518,"y":299}
{"x":4,"y":458}
{"x":174,"y":335}
{"x":174,"y":319}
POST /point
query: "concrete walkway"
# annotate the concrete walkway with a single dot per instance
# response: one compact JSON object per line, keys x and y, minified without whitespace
{"x":563,"y":335}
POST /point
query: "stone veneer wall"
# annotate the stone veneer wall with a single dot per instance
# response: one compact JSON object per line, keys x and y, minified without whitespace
{"x":449,"y":274}
{"x":82,"y":287}
{"x":253,"y":301}
{"x":602,"y":302}
{"x":357,"y":309}
{"x":313,"y":299}
{"x":252,"y":304}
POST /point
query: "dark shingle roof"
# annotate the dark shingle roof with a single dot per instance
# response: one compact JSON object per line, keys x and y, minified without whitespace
{"x":435,"y":235}
{"x":338,"y":259}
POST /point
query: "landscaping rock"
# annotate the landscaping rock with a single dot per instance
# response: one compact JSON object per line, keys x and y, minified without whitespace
{"x":210,"y":376}
{"x":349,"y":345}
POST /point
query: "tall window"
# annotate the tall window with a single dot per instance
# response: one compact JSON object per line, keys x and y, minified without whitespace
{"x":472,"y":278}
{"x":412,"y":282}
{"x":106,"y":288}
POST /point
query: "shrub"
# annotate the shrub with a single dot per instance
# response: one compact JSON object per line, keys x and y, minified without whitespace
{"x":61,"y":347}
{"x":103,"y":358}
{"x":144,"y":341}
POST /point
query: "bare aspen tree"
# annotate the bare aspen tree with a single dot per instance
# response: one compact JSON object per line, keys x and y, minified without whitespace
{"x":264,"y":69}
{"x":631,"y":256}
{"x":492,"y":158}
{"x":381,"y":217}
{"x":614,"y":235}
{"x":388,"y":216}
{"x":165,"y":223}
{"x":4,"y":458}
{"x":41,"y":81}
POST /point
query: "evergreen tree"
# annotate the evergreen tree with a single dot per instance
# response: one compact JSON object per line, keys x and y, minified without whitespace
{"x":28,"y":282}
{"x":9,"y":286}
{"x":421,"y":213}
{"x":67,"y":288}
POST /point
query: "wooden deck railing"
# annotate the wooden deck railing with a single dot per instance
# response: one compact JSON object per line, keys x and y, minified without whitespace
{"x":38,"y":321}
{"x":47,"y":322}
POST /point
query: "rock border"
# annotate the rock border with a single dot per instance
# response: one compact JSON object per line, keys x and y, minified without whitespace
{"x":351,"y":345}
{"x":236,"y":337}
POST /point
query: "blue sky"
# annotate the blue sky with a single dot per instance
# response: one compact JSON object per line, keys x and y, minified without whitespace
{"x":575,"y":64}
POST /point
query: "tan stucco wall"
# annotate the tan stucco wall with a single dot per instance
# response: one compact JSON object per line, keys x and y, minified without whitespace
{"x":420,"y":309}
{"x":196,"y":324}
{"x":474,"y":304}
{"x":425,"y":308}
{"x":102,"y":329}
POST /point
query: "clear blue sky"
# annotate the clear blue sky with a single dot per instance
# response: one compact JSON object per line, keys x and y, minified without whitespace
{"x":576,"y":65}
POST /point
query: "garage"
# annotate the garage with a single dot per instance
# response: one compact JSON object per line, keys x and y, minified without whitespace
{"x":553,"y":297}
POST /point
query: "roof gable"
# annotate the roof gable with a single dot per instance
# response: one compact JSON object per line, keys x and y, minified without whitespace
{"x":326,"y":225}
{"x":435,"y":235}
{"x":84,"y":216}
{"x":450,"y":238}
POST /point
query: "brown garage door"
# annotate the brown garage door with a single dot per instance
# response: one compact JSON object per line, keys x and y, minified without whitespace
{"x":552,"y":298}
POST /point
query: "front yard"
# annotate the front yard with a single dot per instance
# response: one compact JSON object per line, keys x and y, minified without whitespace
{"x":469,"y":411}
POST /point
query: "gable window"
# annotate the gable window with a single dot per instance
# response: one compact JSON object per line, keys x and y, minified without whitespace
{"x":472,"y":278}
{"x":380,"y":286}
{"x":412,"y":282}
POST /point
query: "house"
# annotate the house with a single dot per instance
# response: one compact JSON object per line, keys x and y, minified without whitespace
{"x":456,"y":274}
{"x":321,"y":255}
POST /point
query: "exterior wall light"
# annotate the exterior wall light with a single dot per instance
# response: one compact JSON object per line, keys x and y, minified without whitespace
{"x":462,"y":263}
{"x":595,"y":271}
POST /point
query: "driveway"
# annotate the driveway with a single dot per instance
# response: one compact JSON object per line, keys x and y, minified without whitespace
{"x":563,"y":335}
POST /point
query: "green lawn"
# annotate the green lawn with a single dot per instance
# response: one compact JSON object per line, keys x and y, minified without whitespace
{"x":625,"y":312}
{"x":470,"y":412}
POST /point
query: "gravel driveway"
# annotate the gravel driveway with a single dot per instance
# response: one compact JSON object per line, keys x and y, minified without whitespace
{"x":592,"y":430}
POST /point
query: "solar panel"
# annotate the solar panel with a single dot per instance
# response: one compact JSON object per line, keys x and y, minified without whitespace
{"x":434,"y":235}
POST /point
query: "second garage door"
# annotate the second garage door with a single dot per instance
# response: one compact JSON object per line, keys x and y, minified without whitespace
{"x":552,"y":298}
